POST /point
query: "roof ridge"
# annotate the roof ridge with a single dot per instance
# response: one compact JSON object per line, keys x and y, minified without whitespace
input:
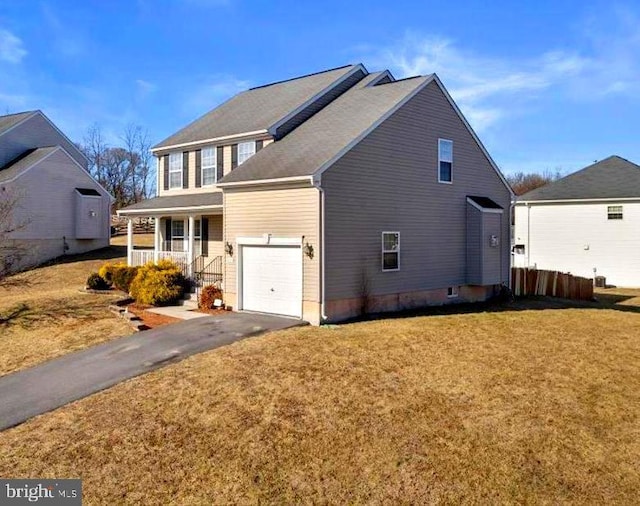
{"x":33,"y":111}
{"x":302,"y":77}
{"x":402,"y":80}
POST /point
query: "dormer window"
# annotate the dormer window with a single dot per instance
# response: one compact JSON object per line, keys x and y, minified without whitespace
{"x":245,"y":151}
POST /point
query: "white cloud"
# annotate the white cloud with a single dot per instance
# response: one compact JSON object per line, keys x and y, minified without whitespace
{"x":11,"y":47}
{"x":486,"y":88}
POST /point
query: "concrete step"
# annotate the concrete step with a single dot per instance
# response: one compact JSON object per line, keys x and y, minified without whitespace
{"x":187,"y":303}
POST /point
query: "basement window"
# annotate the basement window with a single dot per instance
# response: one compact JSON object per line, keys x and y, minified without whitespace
{"x":452,"y":292}
{"x":614,"y":212}
{"x":390,"y":251}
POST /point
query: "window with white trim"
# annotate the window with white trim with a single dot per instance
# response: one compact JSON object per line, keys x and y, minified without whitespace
{"x":209,"y":165}
{"x":177,"y":235}
{"x":390,"y":251}
{"x":245,"y":151}
{"x":175,"y":170}
{"x":614,"y":212}
{"x":445,"y":161}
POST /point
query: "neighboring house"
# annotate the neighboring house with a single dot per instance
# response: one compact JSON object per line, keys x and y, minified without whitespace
{"x":59,"y":208}
{"x":332,"y":194}
{"x":587,"y":223}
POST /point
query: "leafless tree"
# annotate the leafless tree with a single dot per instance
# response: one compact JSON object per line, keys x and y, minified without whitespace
{"x":12,"y":251}
{"x":126,"y":171}
{"x":522,"y":182}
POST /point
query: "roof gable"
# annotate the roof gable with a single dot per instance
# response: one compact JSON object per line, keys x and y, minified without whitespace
{"x":9,"y":121}
{"x":262,"y":109}
{"x":323,"y":138}
{"x":611,"y":178}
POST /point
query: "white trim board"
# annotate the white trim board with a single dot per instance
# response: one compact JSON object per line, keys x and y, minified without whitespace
{"x":239,"y":136}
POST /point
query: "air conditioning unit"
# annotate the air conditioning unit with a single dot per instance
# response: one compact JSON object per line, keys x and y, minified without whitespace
{"x":601,"y":282}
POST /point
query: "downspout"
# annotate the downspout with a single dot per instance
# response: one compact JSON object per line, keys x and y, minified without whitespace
{"x":323,"y":316}
{"x":528,"y":234}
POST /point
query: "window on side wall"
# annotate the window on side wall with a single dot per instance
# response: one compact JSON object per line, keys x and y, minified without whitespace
{"x":177,"y":235}
{"x":245,"y":151}
{"x":390,"y":251}
{"x":209,"y":164}
{"x":614,"y":212}
{"x":445,"y":161}
{"x":175,"y":170}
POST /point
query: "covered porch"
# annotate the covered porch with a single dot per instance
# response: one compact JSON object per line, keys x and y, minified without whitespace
{"x":187,"y":230}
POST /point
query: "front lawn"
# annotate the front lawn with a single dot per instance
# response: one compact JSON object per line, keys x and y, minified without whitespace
{"x":44,"y":313}
{"x":538,"y":404}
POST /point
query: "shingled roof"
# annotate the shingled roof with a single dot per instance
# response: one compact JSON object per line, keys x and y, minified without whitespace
{"x":24,"y":161}
{"x":10,"y":120}
{"x":322,"y":137}
{"x":259,"y":108}
{"x":611,"y":178}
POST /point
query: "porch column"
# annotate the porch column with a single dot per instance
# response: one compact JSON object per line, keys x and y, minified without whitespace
{"x":129,"y":241}
{"x":192,"y":241}
{"x":156,"y":239}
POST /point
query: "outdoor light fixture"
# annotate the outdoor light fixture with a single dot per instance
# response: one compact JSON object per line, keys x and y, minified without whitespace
{"x":228,"y":248}
{"x":308,"y":249}
{"x":92,"y":213}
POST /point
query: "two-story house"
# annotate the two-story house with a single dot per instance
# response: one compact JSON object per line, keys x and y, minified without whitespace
{"x":56,"y":207}
{"x":587,"y":223}
{"x":333,"y":194}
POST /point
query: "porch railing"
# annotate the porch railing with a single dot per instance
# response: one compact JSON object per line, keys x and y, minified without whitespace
{"x":210,"y":274}
{"x":179,"y":257}
{"x":141,"y":256}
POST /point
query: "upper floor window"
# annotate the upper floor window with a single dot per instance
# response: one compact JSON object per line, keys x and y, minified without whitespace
{"x":390,"y":251}
{"x":245,"y":151}
{"x":175,"y":170}
{"x":445,"y":161}
{"x":209,"y":164}
{"x":614,"y":212}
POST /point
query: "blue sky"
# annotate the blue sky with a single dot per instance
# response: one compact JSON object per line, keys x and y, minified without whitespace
{"x":548,"y":85}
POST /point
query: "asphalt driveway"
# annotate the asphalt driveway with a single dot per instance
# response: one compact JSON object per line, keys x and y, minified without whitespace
{"x":48,"y":386}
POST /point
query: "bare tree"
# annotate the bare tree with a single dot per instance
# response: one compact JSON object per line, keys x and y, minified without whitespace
{"x":522,"y":182}
{"x":125,"y":171}
{"x":12,"y":251}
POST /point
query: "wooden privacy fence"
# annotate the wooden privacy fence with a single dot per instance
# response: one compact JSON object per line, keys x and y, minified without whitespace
{"x":556,"y":284}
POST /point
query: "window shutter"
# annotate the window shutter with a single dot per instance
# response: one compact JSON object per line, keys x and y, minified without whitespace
{"x":219,"y":163}
{"x":185,"y":169}
{"x":198,"y":168}
{"x":204,"y":235}
{"x":259,"y":145}
{"x":234,"y":156}
{"x":167,"y":233}
{"x":166,"y":171}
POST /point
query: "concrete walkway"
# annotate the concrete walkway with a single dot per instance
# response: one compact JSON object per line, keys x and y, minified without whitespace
{"x":48,"y":386}
{"x":180,"y":312}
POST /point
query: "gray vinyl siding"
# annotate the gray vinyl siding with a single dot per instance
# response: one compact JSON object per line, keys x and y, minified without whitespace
{"x":474,"y":245}
{"x":35,"y":132}
{"x":389,"y":182}
{"x":46,"y":213}
{"x":484,"y":262}
{"x":318,"y":104}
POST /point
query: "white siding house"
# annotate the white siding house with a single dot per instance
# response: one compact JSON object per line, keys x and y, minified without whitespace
{"x":587,"y":224}
{"x":59,"y":208}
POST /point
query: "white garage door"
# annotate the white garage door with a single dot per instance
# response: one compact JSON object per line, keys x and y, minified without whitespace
{"x":272,"y":279}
